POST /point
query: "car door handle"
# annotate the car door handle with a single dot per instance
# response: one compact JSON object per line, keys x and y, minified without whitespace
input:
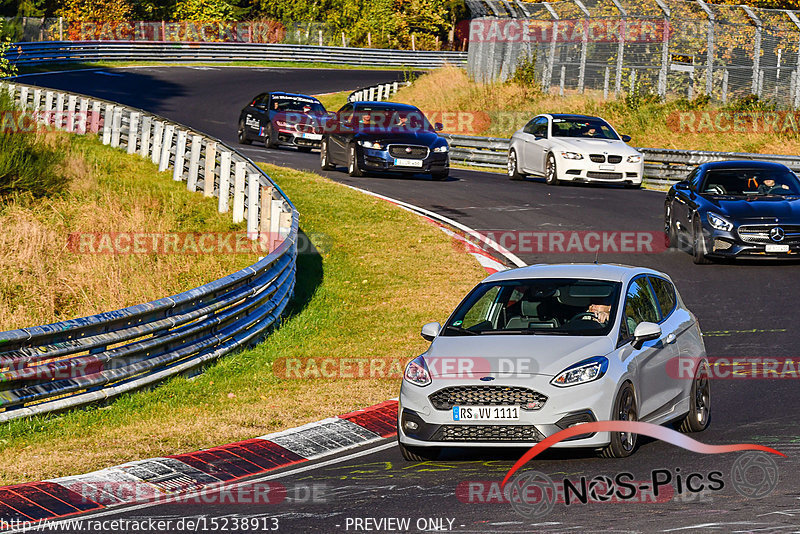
{"x":670,"y":339}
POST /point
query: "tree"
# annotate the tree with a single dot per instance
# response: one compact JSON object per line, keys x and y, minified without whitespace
{"x":203,"y":10}
{"x":96,"y":10}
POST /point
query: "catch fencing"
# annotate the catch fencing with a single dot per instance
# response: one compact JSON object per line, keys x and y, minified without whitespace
{"x":72,"y":363}
{"x":377,"y":93}
{"x":683,"y":48}
{"x":661,"y":165}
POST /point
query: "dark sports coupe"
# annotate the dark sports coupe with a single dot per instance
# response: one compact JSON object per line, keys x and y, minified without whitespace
{"x":282,"y":119}
{"x":735,"y":209}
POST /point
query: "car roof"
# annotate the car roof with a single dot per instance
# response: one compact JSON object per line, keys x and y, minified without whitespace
{"x":584,"y":271}
{"x":281,"y":93}
{"x":570,"y":116}
{"x":744,"y":164}
{"x":385,"y":105}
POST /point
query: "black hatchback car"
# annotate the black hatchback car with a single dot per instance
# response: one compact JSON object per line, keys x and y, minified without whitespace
{"x":283,"y":119}
{"x":384,"y":136}
{"x":735,"y":209}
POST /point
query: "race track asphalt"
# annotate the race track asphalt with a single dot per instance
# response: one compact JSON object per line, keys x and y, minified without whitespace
{"x":745,"y":310}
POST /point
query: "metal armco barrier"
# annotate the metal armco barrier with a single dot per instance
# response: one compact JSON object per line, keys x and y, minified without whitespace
{"x":377,"y":93}
{"x":69,"y":51}
{"x":661,"y":165}
{"x":72,"y":363}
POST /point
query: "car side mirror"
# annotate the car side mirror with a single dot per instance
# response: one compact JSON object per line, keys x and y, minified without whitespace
{"x":430,"y":331}
{"x":682,"y":186}
{"x":645,"y":332}
{"x":438,"y":126}
{"x":626,"y":138}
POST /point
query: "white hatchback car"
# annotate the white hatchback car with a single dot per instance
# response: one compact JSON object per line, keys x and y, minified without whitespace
{"x":536,"y":350}
{"x":574,"y":148}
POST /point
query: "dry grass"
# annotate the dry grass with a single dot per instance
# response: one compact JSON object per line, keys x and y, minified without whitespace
{"x":365,"y":296}
{"x":501,"y":108}
{"x":43,"y":281}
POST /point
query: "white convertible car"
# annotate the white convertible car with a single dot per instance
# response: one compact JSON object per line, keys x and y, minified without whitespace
{"x":574,"y":148}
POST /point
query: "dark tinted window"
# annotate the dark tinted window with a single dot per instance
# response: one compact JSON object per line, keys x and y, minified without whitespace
{"x":640,"y":305}
{"x":665,"y":293}
{"x":750,"y":182}
{"x":584,"y":127}
{"x":529,"y":127}
{"x":540,"y":127}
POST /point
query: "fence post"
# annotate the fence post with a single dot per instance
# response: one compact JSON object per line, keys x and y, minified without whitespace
{"x":238,"y":192}
{"x":58,"y":116}
{"x":94,"y":126}
{"x":194,"y":163}
{"x":133,"y":131}
{"x":224,"y":181}
{"x":180,"y":153}
{"x":23,"y":97}
{"x":756,"y":51}
{"x":83,"y":116}
{"x":158,"y":135}
{"x":709,"y":48}
{"x":725,"y":86}
{"x":210,"y":169}
{"x":266,"y":214}
{"x":37,"y":100}
{"x":252,"y":204}
{"x":371,"y":94}
{"x":116,"y":126}
{"x":48,"y":107}
{"x":623,"y":24}
{"x":166,"y":145}
{"x":794,"y":96}
{"x":605,"y":83}
{"x":275,"y":223}
{"x":108,"y":120}
{"x":584,"y":46}
{"x":561,"y":80}
{"x":72,"y":101}
{"x":760,"y":83}
{"x":144,"y":150}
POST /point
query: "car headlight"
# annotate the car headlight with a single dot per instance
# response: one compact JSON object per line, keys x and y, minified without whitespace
{"x":281,"y":124}
{"x":636,"y":158}
{"x":719,"y":222}
{"x":582,"y":372}
{"x":572,"y":155}
{"x":370,"y":144}
{"x":442,"y":148}
{"x":417,"y":372}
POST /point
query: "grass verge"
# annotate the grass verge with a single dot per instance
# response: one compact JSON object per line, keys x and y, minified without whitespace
{"x":385,"y":274}
{"x":499,"y":109}
{"x":334,"y":101}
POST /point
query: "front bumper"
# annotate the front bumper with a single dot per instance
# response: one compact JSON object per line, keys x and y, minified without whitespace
{"x":299,"y":139}
{"x":729,"y":244}
{"x":563,"y":407}
{"x":585,"y":170}
{"x":380,"y":160}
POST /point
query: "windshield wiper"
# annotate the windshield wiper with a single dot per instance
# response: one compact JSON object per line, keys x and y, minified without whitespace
{"x":461,"y":330}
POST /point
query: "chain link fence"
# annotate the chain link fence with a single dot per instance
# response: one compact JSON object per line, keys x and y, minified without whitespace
{"x":684,"y":48}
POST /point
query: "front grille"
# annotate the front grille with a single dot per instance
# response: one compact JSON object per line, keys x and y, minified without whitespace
{"x":614,"y":159}
{"x":759,"y":233}
{"x":604,"y":175}
{"x":306,"y":128}
{"x":402,"y":151}
{"x":525,"y":398}
{"x":487,"y":433}
{"x":597,"y":158}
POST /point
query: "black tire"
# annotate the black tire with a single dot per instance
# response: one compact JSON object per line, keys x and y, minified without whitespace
{"x":699,"y":244}
{"x":352,"y":163}
{"x":325,"y":157}
{"x":699,"y":415}
{"x":669,"y":229}
{"x":270,"y":140}
{"x":242,"y":134}
{"x":418,"y":454}
{"x":550,"y":171}
{"x":440,"y":176}
{"x":513,"y":167}
{"x":623,"y":444}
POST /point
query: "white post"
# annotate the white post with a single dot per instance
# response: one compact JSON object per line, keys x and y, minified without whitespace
{"x":48,"y":106}
{"x":166,"y":145}
{"x":238,"y":192}
{"x":379,"y":97}
{"x":108,"y":120}
{"x":72,"y":101}
{"x":210,"y":169}
{"x":561,"y":80}
{"x":605,"y":84}
{"x":252,"y":205}
{"x":275,"y":224}
{"x":224,"y":181}
{"x":133,"y":132}
{"x":59,"y":115}
{"x":158,"y":134}
{"x":194,"y":163}
{"x":37,"y":102}
{"x":180,"y":151}
{"x":94,"y":125}
{"x":371,"y":94}
{"x":23,"y":97}
{"x":394,"y":88}
{"x":116,"y":126}
{"x":83,"y":116}
{"x":144,"y":150}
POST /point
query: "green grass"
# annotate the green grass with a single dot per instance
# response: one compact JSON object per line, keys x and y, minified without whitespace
{"x":384,"y":274}
{"x":334,"y":101}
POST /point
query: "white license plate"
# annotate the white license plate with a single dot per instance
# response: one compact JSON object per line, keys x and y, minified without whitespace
{"x":313,"y":136}
{"x":777,"y":248}
{"x":485,"y":413}
{"x":401,"y":162}
{"x":606,"y":167}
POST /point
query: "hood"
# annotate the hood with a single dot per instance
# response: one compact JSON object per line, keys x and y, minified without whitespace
{"x":594,"y":146}
{"x":762,"y":209}
{"x":511,"y":355}
{"x":420,"y":137}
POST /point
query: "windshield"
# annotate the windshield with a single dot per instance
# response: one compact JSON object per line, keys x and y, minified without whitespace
{"x":537,"y":306}
{"x":589,"y":128}
{"x":751,"y":182}
{"x":297,"y":105}
{"x":383,"y":118}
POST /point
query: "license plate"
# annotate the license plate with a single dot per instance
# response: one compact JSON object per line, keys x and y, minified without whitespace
{"x":401,"y":162}
{"x":485,"y":413}
{"x":313,"y":136}
{"x":777,"y":248}
{"x":606,"y":167}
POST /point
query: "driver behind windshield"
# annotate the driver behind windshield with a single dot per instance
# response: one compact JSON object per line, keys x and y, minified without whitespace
{"x":600,"y":309}
{"x":768,"y":185}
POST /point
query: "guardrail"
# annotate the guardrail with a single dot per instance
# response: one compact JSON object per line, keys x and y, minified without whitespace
{"x":72,"y":363}
{"x":377,"y":93}
{"x":661,"y":165}
{"x":68,"y":51}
